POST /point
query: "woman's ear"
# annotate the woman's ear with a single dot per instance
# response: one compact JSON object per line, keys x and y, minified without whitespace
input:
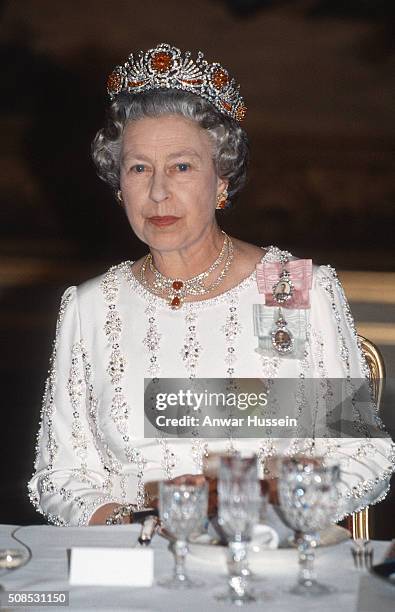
{"x":222,"y":185}
{"x":222,"y":194}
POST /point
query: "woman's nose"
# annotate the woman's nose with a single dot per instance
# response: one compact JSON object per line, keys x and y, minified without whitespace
{"x":159,"y":186}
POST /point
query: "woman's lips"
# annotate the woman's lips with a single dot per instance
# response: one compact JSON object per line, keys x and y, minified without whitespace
{"x":163,"y":221}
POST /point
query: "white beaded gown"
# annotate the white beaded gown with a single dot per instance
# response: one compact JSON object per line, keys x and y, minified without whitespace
{"x":112,"y":333}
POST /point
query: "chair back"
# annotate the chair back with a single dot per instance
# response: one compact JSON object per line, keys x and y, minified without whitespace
{"x":376,"y":366}
{"x":360,"y":523}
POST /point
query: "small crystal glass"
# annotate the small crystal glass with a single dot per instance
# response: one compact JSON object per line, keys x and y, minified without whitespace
{"x":239,"y":505}
{"x":309,"y":499}
{"x":183,"y":512}
{"x":13,"y":558}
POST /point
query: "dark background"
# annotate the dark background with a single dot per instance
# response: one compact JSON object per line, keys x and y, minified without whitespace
{"x":318,"y":77}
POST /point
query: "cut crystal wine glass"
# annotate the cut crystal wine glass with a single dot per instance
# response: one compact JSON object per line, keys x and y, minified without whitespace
{"x":239,"y":504}
{"x":309,"y":499}
{"x":183,"y":512}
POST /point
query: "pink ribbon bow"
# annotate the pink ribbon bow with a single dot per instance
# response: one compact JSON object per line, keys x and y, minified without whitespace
{"x":301,"y":276}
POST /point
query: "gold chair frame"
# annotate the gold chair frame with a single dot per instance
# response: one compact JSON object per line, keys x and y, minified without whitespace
{"x":360,"y":522}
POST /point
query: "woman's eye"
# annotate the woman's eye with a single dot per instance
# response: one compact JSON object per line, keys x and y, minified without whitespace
{"x":139,"y":168}
{"x":183,"y":167}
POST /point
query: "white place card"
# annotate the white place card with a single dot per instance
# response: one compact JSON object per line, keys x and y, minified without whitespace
{"x":111,"y":566}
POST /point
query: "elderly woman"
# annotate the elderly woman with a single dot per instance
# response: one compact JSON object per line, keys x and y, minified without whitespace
{"x":200,"y":304}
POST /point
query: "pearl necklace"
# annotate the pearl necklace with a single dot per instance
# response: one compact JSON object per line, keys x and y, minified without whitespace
{"x":178,"y":289}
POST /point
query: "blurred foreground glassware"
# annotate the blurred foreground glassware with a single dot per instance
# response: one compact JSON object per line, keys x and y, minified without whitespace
{"x":13,"y":558}
{"x":239,"y":504}
{"x":309,"y":499}
{"x":183,"y":512}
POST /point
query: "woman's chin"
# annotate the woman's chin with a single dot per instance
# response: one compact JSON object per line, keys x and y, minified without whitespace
{"x":167,"y":238}
{"x":164,"y":242}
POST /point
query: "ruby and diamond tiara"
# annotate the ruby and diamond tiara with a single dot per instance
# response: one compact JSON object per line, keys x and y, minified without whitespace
{"x":164,"y":67}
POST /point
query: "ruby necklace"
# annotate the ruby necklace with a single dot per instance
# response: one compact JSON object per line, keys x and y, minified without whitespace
{"x":177,"y":289}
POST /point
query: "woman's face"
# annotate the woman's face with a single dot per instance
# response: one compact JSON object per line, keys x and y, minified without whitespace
{"x":168,"y":181}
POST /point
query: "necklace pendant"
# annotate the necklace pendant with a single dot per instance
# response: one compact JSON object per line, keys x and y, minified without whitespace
{"x":177,"y":285}
{"x":176,"y":302}
{"x":176,"y":290}
{"x":282,"y":339}
{"x":176,"y":297}
{"x":283,"y":290}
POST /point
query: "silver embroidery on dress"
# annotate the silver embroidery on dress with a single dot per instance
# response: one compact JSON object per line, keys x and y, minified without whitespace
{"x":119,"y":410}
{"x":152,"y":341}
{"x":110,"y":464}
{"x":232,"y":328}
{"x":47,"y":411}
{"x":50,"y":387}
{"x":169,"y":459}
{"x":191,"y":350}
{"x":358,"y":420}
{"x":75,"y":388}
{"x":326,"y":284}
{"x":199,"y":452}
{"x":349,"y":317}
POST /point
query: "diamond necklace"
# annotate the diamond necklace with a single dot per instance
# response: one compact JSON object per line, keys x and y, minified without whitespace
{"x":178,"y":289}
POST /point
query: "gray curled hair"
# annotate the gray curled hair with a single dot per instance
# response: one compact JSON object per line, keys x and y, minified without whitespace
{"x":231,"y":150}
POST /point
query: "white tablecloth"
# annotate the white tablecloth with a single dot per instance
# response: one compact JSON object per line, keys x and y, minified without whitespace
{"x":48,"y":571}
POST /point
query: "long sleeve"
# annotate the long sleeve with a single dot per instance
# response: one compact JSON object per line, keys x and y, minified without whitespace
{"x":70,"y":479}
{"x":366,"y":462}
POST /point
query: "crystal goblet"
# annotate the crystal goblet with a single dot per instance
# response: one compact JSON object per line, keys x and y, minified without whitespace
{"x":309,"y":498}
{"x":13,"y":558}
{"x":183,"y":512}
{"x":239,"y":505}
